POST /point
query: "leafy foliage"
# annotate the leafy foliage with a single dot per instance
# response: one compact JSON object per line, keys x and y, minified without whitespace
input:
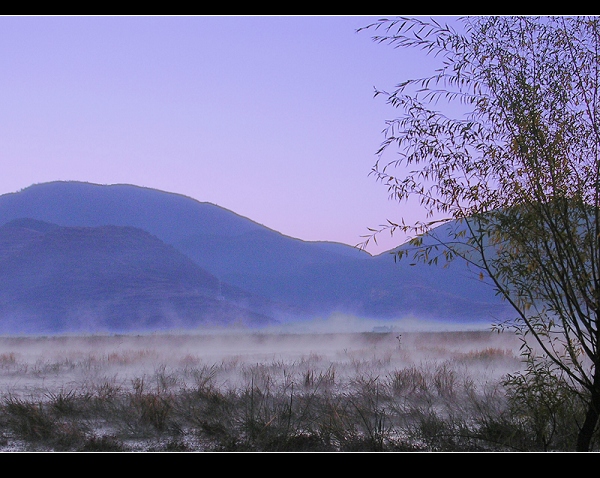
{"x":517,"y":176}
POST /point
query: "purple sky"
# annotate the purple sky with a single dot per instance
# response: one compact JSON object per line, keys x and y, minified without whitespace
{"x":271,"y":117}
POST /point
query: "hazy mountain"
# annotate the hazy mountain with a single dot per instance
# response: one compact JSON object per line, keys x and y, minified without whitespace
{"x":305,"y":279}
{"x":109,"y":278}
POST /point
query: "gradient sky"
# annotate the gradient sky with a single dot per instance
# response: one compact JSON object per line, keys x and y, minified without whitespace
{"x":272,"y":117}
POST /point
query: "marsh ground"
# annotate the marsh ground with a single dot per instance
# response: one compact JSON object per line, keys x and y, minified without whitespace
{"x":238,"y":392}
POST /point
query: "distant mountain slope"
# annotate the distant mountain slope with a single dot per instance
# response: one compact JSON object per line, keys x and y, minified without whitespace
{"x":174,"y":218}
{"x":308,"y":279}
{"x":57,"y":279}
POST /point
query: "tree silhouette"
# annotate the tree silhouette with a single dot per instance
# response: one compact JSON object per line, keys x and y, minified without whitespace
{"x":514,"y":183}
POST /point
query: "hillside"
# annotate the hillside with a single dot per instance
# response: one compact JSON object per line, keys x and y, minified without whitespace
{"x":56,"y":279}
{"x":304,"y":279}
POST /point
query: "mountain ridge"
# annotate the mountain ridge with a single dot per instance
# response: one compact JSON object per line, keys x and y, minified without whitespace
{"x":306,"y":279}
{"x":224,"y":226}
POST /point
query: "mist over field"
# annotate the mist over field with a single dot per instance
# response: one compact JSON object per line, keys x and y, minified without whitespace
{"x":66,"y":360}
{"x":152,"y":392}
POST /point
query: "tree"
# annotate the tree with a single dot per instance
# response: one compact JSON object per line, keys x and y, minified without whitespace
{"x":514,"y":182}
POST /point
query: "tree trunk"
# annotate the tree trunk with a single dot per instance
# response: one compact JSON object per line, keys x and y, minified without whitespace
{"x":584,"y":438}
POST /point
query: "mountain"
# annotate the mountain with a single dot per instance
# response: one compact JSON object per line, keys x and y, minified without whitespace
{"x":304,"y":279}
{"x":57,"y":279}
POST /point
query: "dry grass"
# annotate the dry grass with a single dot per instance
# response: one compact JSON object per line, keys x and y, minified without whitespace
{"x":430,"y":391}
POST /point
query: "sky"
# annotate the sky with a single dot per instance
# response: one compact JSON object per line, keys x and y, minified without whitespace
{"x":271,"y":117}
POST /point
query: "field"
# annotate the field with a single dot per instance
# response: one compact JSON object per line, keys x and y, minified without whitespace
{"x":418,"y":391}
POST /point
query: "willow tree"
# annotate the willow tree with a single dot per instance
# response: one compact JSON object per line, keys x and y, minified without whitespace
{"x":515,"y":177}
